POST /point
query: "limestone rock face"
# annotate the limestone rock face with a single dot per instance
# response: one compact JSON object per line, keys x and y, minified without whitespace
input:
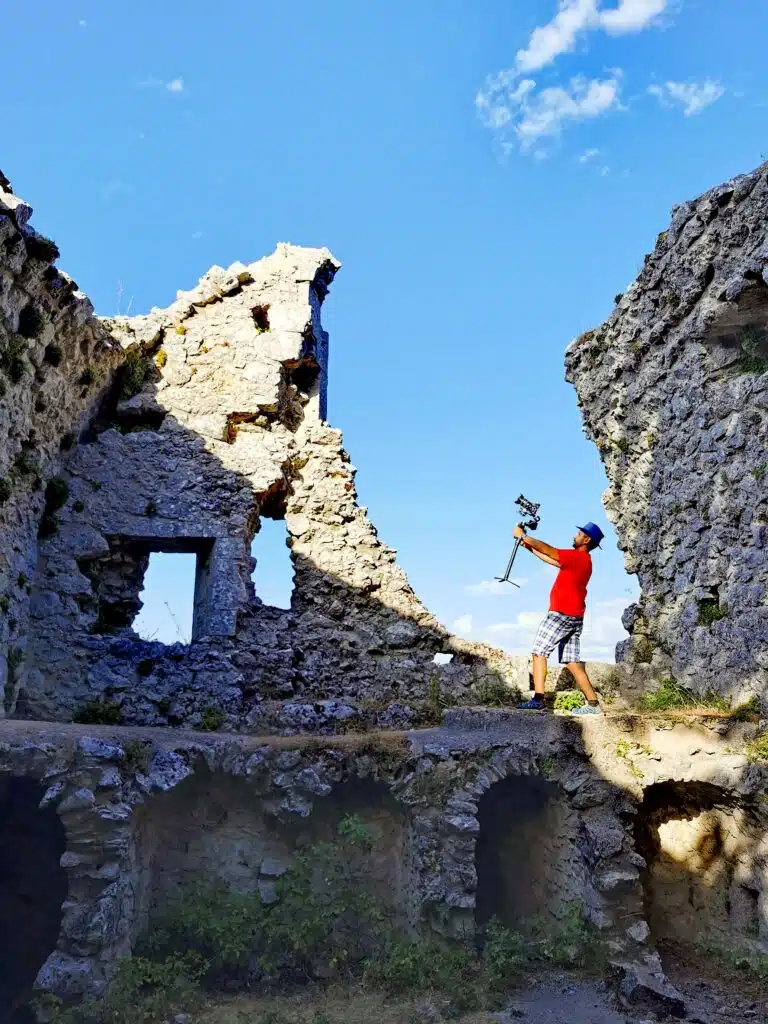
{"x":673,"y":389}
{"x":56,"y":360}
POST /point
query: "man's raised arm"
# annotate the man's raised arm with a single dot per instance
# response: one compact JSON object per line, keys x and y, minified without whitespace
{"x":543,"y":551}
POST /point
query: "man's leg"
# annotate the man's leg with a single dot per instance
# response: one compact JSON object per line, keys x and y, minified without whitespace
{"x":578,"y":672}
{"x":570,"y":653}
{"x":543,"y":645}
{"x":539,"y":674}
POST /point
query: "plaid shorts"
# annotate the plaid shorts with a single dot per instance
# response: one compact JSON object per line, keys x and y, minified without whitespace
{"x":563,"y":632}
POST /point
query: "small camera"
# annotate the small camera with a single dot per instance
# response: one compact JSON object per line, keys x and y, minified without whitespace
{"x":531,"y":510}
{"x":531,"y":519}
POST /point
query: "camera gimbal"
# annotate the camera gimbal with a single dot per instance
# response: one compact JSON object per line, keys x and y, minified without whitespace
{"x":530,"y":510}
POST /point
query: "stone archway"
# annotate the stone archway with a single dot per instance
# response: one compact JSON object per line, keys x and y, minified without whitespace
{"x":527,"y":856}
{"x":704,"y":849}
{"x":33,"y":887}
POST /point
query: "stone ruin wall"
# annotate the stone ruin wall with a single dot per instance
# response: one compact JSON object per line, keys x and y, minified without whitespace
{"x":117,"y":820}
{"x":673,"y":389}
{"x":55,"y":361}
{"x":180,"y":431}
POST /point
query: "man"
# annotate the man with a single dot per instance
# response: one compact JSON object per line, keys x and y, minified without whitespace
{"x":564,"y":622}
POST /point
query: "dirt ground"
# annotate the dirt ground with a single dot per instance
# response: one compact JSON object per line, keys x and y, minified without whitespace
{"x":727,"y":997}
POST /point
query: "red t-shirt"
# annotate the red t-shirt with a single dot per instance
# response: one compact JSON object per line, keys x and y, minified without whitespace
{"x":569,"y":594}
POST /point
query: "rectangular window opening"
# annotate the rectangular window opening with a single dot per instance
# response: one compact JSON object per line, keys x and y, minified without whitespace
{"x":168,"y":598}
{"x":273,"y":577}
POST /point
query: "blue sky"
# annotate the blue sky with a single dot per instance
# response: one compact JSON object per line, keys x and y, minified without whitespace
{"x":490,"y":176}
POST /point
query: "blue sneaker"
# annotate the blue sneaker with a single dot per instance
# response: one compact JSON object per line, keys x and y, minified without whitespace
{"x":533,"y":704}
{"x":587,"y":709}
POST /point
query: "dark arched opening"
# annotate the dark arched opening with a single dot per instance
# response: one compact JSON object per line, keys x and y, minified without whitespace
{"x":220,"y":829}
{"x":527,"y":857}
{"x":702,"y":876}
{"x":33,"y":887}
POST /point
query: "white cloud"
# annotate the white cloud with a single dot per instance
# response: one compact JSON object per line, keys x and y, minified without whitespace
{"x":550,"y":110}
{"x":173,"y":85}
{"x":574,"y":19}
{"x":547,"y":42}
{"x":463,"y":625}
{"x":535,"y":115}
{"x":82,"y":23}
{"x":197,"y":234}
{"x":511,"y":101}
{"x":632,"y":16}
{"x":588,"y":154}
{"x":493,"y":588}
{"x":693,"y":97}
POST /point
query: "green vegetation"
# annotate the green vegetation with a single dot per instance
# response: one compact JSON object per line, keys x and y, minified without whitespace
{"x":753,"y":354}
{"x":142,"y":992}
{"x":671,"y":694}
{"x":134,"y":374}
{"x":13,"y":360}
{"x":757,"y":748}
{"x":14,"y":659}
{"x":161,"y":358}
{"x":5,"y":490}
{"x":323,"y":924}
{"x":547,"y":768}
{"x":212,"y":719}
{"x":624,"y":751}
{"x":24,"y":464}
{"x":151,"y":509}
{"x":5,"y":604}
{"x":569,"y":700}
{"x":710,"y":611}
{"x":31,"y":322}
{"x":754,"y":966}
{"x":137,"y":756}
{"x":41,"y":248}
{"x":747,"y":711}
{"x":642,"y":650}
{"x":56,"y":494}
{"x":436,"y":702}
{"x":759,"y":472}
{"x":99,"y":712}
{"x":495,"y":693}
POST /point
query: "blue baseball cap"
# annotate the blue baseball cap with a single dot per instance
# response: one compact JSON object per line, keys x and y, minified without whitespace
{"x":593,"y":532}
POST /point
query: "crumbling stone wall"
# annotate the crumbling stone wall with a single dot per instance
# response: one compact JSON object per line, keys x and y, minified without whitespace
{"x":215,"y":418}
{"x":142,"y":811}
{"x":55,"y":359}
{"x":673,"y":389}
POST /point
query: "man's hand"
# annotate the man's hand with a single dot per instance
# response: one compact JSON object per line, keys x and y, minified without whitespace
{"x":518,"y":532}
